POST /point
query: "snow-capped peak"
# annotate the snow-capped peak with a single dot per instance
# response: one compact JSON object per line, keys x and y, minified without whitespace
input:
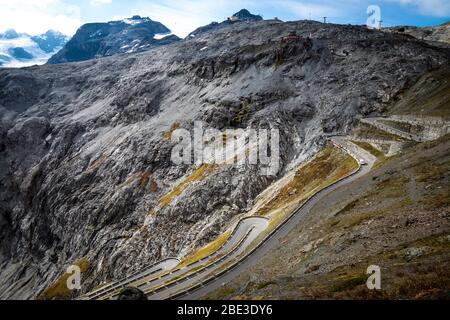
{"x":20,"y":49}
{"x":135,"y":20}
{"x":10,"y":34}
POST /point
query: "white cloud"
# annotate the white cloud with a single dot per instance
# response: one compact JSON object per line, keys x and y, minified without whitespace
{"x":34,"y":17}
{"x":183,"y":16}
{"x":435,"y":8}
{"x":317,"y":10}
{"x":100,"y":2}
{"x":18,"y":3}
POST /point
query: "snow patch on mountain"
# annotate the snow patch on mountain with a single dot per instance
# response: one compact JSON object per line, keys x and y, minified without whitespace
{"x":135,"y":20}
{"x":160,"y":36}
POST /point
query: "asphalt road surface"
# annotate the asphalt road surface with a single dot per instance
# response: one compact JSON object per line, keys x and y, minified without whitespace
{"x":246,"y":231}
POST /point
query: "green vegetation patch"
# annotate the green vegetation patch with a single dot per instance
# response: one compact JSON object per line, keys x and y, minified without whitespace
{"x":264,"y":284}
{"x":224,"y":292}
{"x":348,"y":283}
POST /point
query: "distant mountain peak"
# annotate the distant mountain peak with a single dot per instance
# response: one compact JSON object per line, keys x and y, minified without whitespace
{"x":54,"y":32}
{"x":21,"y":49}
{"x":244,"y":14}
{"x":50,"y":40}
{"x":9,"y":34}
{"x":130,"y":35}
{"x":136,"y":19}
{"x":241,"y":16}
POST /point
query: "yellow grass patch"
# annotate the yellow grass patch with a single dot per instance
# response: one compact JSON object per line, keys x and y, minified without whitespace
{"x":58,"y":290}
{"x":369,"y":131}
{"x":327,"y":167}
{"x":97,"y":163}
{"x":206,"y":250}
{"x":198,"y":175}
{"x":168,"y":134}
{"x":369,"y":148}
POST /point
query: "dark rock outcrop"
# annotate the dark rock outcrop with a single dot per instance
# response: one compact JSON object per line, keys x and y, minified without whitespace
{"x":130,"y":294}
{"x":245,"y":15}
{"x":242,"y":16}
{"x":20,"y":53}
{"x":96,"y":40}
{"x":50,"y":41}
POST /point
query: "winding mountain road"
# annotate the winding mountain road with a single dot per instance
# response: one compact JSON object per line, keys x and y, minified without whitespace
{"x":274,"y":240}
{"x":377,"y":122}
{"x":165,"y":280}
{"x":154,"y":270}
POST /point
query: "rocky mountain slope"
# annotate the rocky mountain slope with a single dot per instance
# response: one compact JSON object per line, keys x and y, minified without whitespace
{"x":241,"y":16}
{"x":397,"y":217}
{"x":439,"y":33}
{"x":85,"y":169}
{"x":96,"y":40}
{"x":20,"y":49}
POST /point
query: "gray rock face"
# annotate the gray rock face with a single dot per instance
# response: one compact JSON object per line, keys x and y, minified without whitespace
{"x":435,"y":34}
{"x":50,"y":41}
{"x":84,"y":162}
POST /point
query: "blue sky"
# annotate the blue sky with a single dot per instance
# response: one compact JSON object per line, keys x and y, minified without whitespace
{"x":183,"y":16}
